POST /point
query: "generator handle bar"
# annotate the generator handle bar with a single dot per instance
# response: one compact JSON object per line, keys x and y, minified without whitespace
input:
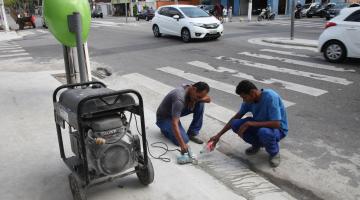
{"x":72,"y":86}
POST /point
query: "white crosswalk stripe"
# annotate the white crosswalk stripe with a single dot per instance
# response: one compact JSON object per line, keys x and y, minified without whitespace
{"x":297,"y":62}
{"x":225,"y":87}
{"x":26,"y":58}
{"x":311,"y":75}
{"x":307,"y":24}
{"x":14,"y":55}
{"x":10,"y":48}
{"x":97,"y":24}
{"x":10,"y":53}
{"x":212,"y":109}
{"x":284,"y":84}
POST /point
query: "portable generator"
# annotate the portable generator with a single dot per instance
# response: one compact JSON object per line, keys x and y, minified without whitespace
{"x":103,"y":147}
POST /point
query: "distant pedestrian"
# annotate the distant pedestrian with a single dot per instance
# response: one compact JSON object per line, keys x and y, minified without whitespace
{"x":218,"y":11}
{"x":230,"y":13}
{"x":224,"y":12}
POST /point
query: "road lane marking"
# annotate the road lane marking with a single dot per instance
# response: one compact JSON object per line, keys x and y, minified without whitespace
{"x":315,"y":76}
{"x":225,"y":87}
{"x":288,"y":53}
{"x":297,"y":62}
{"x":276,"y":82}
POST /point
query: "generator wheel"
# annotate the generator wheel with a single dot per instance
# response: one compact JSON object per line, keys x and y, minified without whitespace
{"x":77,"y":190}
{"x":145,"y":174}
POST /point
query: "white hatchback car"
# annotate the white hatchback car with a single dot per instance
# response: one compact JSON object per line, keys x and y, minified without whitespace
{"x":341,"y":37}
{"x":188,"y":22}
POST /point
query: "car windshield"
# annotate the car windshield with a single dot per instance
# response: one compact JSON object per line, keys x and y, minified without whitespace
{"x":194,"y":12}
{"x":339,"y":6}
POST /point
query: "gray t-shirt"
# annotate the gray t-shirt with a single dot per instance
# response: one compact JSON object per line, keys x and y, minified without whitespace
{"x":173,"y":104}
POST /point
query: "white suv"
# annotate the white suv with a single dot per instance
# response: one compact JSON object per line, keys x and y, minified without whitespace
{"x":341,"y":37}
{"x":188,"y":22}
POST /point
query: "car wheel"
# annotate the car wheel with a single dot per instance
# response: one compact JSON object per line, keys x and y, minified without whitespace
{"x":334,"y":52}
{"x":185,"y":35}
{"x":216,"y":38}
{"x":156,"y":31}
{"x":21,"y":26}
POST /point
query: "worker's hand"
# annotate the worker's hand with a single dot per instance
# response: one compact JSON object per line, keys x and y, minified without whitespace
{"x":215,"y":139}
{"x":184,"y":149}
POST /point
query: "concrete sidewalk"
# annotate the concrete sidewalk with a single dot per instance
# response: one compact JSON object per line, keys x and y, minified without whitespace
{"x":32,"y":167}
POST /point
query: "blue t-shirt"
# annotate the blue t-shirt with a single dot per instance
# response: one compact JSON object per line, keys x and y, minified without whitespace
{"x":269,"y":108}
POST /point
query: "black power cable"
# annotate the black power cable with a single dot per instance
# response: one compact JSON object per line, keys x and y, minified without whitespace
{"x":160,"y":145}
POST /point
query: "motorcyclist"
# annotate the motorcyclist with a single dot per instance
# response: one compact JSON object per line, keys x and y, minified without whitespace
{"x":298,"y":10}
{"x":268,"y":11}
{"x":298,"y":5}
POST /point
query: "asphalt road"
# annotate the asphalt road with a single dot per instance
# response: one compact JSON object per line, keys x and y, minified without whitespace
{"x":322,"y":148}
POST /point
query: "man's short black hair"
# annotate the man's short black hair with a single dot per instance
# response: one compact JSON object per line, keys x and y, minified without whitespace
{"x":201,"y":86}
{"x":244,"y":87}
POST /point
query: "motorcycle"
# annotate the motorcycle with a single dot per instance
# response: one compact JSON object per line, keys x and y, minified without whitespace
{"x":266,"y":14}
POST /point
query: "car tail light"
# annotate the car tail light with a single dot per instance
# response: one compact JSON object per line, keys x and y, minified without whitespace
{"x":329,"y":24}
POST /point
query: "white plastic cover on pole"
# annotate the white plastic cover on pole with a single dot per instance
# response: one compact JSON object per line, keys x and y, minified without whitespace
{"x":249,"y":10}
{"x":3,"y":16}
{"x":87,"y":61}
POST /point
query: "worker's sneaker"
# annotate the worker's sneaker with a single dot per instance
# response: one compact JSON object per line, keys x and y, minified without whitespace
{"x":252,"y":150}
{"x":274,"y":161}
{"x":196,"y":139}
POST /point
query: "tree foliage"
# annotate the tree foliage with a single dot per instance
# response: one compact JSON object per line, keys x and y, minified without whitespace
{"x":10,"y":3}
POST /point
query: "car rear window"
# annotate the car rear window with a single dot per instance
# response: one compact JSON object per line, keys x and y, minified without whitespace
{"x":354,"y":17}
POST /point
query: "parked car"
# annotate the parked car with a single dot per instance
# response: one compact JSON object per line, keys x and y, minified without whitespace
{"x":306,"y":8}
{"x":341,"y":37}
{"x":354,"y":5}
{"x":188,"y":22}
{"x":145,"y":14}
{"x":208,"y":8}
{"x":319,"y":10}
{"x":333,"y":10}
{"x":97,"y":14}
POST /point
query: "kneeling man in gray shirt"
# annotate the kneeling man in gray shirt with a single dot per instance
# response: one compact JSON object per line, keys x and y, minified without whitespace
{"x":181,"y":102}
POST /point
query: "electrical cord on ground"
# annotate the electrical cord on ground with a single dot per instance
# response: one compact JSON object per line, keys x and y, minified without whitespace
{"x":160,"y":145}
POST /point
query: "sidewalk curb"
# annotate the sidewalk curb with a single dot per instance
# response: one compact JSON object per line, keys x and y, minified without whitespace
{"x":287,"y":42}
{"x":10,"y":35}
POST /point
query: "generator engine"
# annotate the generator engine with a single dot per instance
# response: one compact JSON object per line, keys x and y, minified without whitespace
{"x":111,"y":148}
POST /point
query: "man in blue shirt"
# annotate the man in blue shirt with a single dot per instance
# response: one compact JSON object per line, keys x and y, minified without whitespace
{"x":266,"y":127}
